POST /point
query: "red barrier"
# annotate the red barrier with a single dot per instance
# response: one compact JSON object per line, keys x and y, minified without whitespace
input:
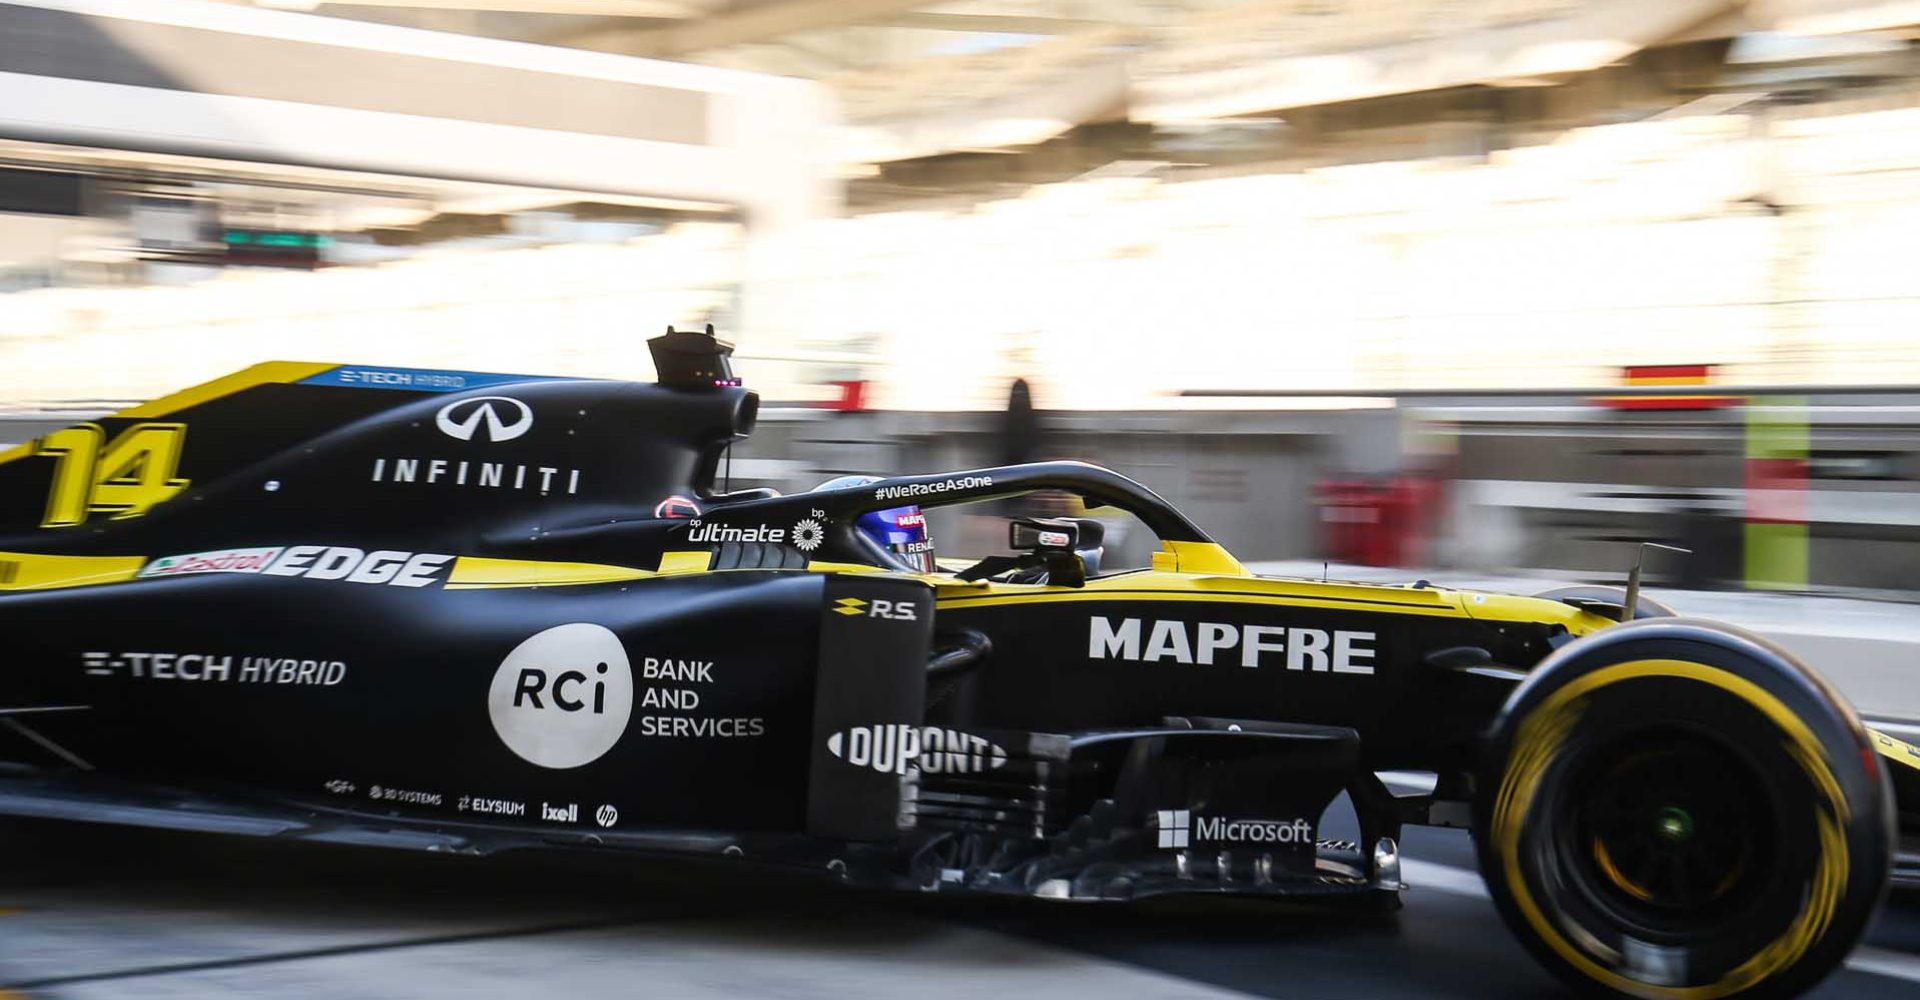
{"x":1378,"y":523}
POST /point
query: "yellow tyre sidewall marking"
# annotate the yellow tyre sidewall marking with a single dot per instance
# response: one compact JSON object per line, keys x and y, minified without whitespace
{"x":1538,"y":743}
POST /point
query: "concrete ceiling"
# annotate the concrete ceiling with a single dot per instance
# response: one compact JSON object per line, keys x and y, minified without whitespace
{"x":834,"y":35}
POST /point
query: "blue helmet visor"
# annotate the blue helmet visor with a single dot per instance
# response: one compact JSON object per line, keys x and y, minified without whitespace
{"x":903,"y":531}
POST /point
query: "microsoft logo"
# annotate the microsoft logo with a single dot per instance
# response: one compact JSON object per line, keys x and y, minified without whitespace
{"x":1174,"y":827}
{"x":1179,"y":828}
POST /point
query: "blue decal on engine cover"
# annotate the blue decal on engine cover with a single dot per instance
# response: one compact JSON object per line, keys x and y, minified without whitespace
{"x":414,"y":379}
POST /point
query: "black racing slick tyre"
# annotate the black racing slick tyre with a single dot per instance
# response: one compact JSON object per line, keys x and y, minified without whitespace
{"x":1678,"y":810}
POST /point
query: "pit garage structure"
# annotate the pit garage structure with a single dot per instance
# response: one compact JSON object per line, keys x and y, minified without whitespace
{"x":248,"y":86}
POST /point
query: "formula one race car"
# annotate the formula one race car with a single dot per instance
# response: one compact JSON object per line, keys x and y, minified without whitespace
{"x":468,"y":612}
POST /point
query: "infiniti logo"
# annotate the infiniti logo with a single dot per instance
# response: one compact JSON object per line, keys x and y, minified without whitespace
{"x":462,"y":419}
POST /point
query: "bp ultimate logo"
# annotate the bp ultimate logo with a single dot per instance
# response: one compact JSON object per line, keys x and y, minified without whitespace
{"x":1180,"y":829}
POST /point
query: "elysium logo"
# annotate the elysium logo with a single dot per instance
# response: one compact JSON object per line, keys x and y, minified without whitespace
{"x":462,"y":419}
{"x":563,"y":697}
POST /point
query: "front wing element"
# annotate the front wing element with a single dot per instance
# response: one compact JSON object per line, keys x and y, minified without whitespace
{"x":1197,"y":806}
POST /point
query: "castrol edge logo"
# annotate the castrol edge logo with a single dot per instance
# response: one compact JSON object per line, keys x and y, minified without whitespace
{"x":314,"y":562}
{"x":218,"y":561}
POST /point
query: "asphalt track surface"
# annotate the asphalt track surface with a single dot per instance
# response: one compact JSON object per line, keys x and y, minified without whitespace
{"x":93,"y":912}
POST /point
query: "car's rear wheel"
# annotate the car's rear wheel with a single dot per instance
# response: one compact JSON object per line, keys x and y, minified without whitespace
{"x":1678,"y":810}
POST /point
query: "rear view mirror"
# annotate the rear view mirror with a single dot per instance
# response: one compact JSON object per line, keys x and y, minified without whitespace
{"x":1043,"y":534}
{"x":1045,"y":543}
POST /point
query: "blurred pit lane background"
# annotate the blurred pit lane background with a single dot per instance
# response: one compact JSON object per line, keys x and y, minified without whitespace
{"x":1493,"y":288}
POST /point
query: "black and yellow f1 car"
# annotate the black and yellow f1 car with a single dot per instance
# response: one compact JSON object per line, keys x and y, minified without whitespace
{"x":466,"y":612}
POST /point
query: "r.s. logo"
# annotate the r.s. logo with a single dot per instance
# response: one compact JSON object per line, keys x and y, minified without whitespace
{"x":562,"y":698}
{"x":463,"y":419}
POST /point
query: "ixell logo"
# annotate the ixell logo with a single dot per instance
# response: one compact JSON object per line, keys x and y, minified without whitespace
{"x":1180,"y":829}
{"x":563,"y":697}
{"x":501,"y":418}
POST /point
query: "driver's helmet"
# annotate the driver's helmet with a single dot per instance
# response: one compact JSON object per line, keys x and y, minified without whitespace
{"x":899,"y":530}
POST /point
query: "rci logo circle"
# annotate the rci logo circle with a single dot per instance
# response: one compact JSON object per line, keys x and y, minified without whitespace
{"x":563,"y":697}
{"x":462,"y":419}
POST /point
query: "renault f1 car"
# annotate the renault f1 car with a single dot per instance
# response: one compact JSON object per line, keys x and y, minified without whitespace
{"x":474,"y":613}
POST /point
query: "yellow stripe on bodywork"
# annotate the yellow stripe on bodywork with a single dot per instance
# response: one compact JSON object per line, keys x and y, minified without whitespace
{"x":695,"y":561}
{"x":33,"y":571}
{"x":862,"y":569}
{"x":1158,"y":585}
{"x":1895,"y":749}
{"x":478,"y":573}
{"x":265,"y":373}
{"x":1070,"y":596}
{"x":1184,"y":584}
{"x":1512,"y":608}
{"x":1204,"y":557}
{"x":1174,"y":578}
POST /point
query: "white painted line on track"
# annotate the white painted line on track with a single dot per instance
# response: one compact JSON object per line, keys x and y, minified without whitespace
{"x":1461,"y":882}
{"x":1446,"y":878}
{"x":1882,"y":962}
{"x":692,"y":960}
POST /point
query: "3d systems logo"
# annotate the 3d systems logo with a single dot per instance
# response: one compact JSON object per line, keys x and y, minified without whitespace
{"x":462,"y":419}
